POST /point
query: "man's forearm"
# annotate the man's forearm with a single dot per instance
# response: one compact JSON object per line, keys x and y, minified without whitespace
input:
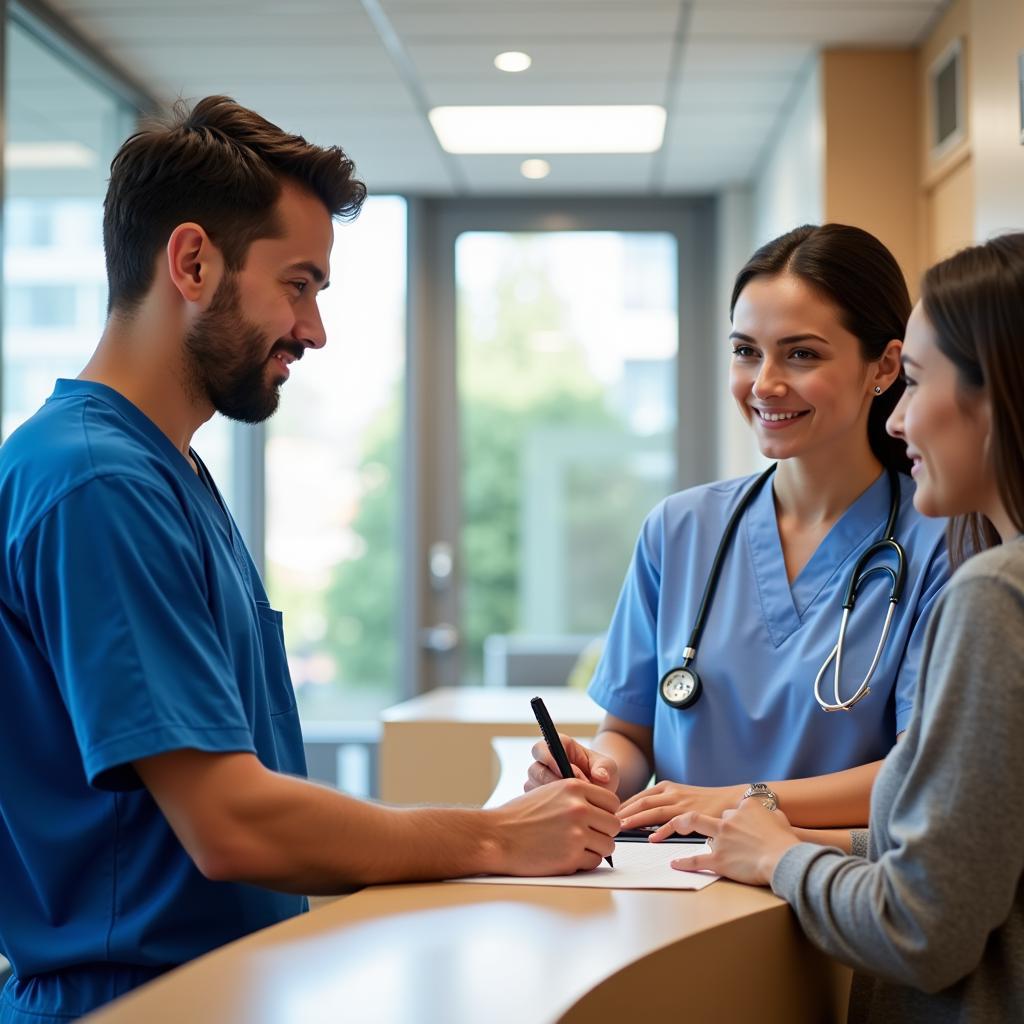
{"x":296,"y":836}
{"x":241,"y":822}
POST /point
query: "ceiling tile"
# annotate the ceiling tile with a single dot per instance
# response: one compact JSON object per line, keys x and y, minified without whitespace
{"x":319,"y":67}
{"x":825,"y":24}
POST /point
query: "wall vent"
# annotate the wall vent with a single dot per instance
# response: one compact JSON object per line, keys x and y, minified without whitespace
{"x":946,"y":105}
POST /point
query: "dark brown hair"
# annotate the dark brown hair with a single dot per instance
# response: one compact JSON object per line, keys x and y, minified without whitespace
{"x":856,"y":273}
{"x":975,"y":303}
{"x":220,"y":165}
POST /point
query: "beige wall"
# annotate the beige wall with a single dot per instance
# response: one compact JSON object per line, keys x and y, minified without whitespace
{"x":996,"y":39}
{"x":949,"y":212}
{"x":872,"y":180}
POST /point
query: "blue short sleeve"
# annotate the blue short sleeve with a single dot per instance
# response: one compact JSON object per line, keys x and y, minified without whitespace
{"x":121,"y":611}
{"x":625,"y":680}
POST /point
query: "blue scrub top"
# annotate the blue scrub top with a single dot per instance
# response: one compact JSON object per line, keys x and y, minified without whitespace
{"x":764,"y":640}
{"x":132,"y":623}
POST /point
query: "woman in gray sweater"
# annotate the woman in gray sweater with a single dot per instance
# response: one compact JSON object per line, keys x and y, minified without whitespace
{"x":931,"y":912}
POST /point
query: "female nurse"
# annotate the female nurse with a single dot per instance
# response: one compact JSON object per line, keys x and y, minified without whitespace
{"x":818,"y":317}
{"x":932,"y":915}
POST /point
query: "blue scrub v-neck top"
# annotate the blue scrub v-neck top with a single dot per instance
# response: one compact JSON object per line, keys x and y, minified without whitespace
{"x":132,"y":623}
{"x":765,"y":639}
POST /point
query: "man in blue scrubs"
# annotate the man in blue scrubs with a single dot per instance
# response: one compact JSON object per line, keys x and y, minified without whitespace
{"x":152,"y":799}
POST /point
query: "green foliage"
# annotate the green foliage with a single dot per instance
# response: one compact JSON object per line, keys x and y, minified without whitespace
{"x":362,"y":600}
{"x":519,"y":371}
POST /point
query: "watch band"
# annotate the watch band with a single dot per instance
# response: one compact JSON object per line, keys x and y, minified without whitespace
{"x":761,"y":790}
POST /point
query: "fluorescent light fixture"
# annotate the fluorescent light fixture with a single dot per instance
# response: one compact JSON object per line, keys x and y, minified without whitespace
{"x":618,"y":129}
{"x":45,"y":155}
{"x":512,"y":61}
{"x":535,"y":169}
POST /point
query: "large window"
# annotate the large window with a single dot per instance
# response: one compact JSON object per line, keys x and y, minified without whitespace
{"x":62,"y":130}
{"x":333,"y":457}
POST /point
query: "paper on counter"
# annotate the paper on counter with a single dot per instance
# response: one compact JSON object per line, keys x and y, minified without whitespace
{"x":637,"y":866}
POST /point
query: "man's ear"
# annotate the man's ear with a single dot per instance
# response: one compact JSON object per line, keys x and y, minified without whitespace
{"x":194,"y":264}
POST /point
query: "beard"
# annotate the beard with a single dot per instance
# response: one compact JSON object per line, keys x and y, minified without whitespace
{"x":227,"y":359}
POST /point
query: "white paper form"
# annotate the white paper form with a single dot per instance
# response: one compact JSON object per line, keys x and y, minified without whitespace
{"x":637,"y":866}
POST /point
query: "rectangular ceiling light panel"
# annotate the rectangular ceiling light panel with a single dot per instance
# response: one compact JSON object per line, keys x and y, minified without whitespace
{"x":44,"y":155}
{"x":589,"y":129}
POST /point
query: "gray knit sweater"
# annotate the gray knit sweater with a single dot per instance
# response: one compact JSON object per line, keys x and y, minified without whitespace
{"x":933,"y":919}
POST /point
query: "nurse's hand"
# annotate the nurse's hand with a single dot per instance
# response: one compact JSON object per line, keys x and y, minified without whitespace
{"x":657,"y":805}
{"x":746,"y":844}
{"x":587,"y":764}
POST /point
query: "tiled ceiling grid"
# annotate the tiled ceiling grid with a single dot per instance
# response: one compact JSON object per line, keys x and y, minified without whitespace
{"x":361,"y":73}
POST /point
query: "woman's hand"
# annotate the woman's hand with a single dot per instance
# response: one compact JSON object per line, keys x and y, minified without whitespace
{"x":746,"y":843}
{"x":666,"y":800}
{"x":589,"y":765}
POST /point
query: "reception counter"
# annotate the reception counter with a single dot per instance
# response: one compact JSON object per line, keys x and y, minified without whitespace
{"x":447,"y":953}
{"x":457,"y":953}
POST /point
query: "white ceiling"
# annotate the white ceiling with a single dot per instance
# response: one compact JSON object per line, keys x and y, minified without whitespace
{"x":362,"y":73}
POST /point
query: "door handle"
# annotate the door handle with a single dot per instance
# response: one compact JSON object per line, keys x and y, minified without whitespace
{"x":440,"y":639}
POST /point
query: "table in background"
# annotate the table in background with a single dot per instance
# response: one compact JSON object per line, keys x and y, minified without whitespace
{"x":436,"y":749}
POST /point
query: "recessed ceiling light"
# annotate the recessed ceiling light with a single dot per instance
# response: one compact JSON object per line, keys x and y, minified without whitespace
{"x":512,"y":61}
{"x":535,"y":169}
{"x":617,"y":129}
{"x":41,"y":155}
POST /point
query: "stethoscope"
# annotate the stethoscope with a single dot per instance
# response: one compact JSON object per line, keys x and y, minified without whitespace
{"x":680,"y":687}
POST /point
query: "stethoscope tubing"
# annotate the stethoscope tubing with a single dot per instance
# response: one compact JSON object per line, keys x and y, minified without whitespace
{"x":859,"y":575}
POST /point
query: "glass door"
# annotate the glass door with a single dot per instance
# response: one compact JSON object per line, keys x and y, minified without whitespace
{"x":566,"y":369}
{"x":546,"y":397}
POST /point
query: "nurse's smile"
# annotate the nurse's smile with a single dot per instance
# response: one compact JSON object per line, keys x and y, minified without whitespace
{"x":778,"y":419}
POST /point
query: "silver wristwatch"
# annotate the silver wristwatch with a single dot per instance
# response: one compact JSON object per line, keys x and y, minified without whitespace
{"x":763,"y":793}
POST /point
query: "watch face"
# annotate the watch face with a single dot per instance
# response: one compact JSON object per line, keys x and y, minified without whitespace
{"x":680,"y":687}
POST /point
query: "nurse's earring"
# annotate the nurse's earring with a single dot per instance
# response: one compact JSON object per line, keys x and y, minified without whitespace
{"x":878,"y":390}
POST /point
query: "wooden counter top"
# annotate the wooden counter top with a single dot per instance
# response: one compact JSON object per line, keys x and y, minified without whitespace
{"x":450,"y":953}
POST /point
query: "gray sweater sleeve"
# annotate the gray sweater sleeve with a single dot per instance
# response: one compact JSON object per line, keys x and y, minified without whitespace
{"x":951,"y":836}
{"x":859,"y":842}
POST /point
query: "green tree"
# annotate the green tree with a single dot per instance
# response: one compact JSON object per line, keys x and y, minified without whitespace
{"x":519,"y":370}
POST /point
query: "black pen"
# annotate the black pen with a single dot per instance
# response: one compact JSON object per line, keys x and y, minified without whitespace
{"x":550,"y":734}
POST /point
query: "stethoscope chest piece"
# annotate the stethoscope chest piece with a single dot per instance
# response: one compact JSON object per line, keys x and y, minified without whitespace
{"x":680,"y":687}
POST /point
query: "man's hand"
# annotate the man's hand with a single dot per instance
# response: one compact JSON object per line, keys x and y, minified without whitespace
{"x":666,"y":800}
{"x":589,"y":765}
{"x":746,"y":844}
{"x":555,"y":830}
